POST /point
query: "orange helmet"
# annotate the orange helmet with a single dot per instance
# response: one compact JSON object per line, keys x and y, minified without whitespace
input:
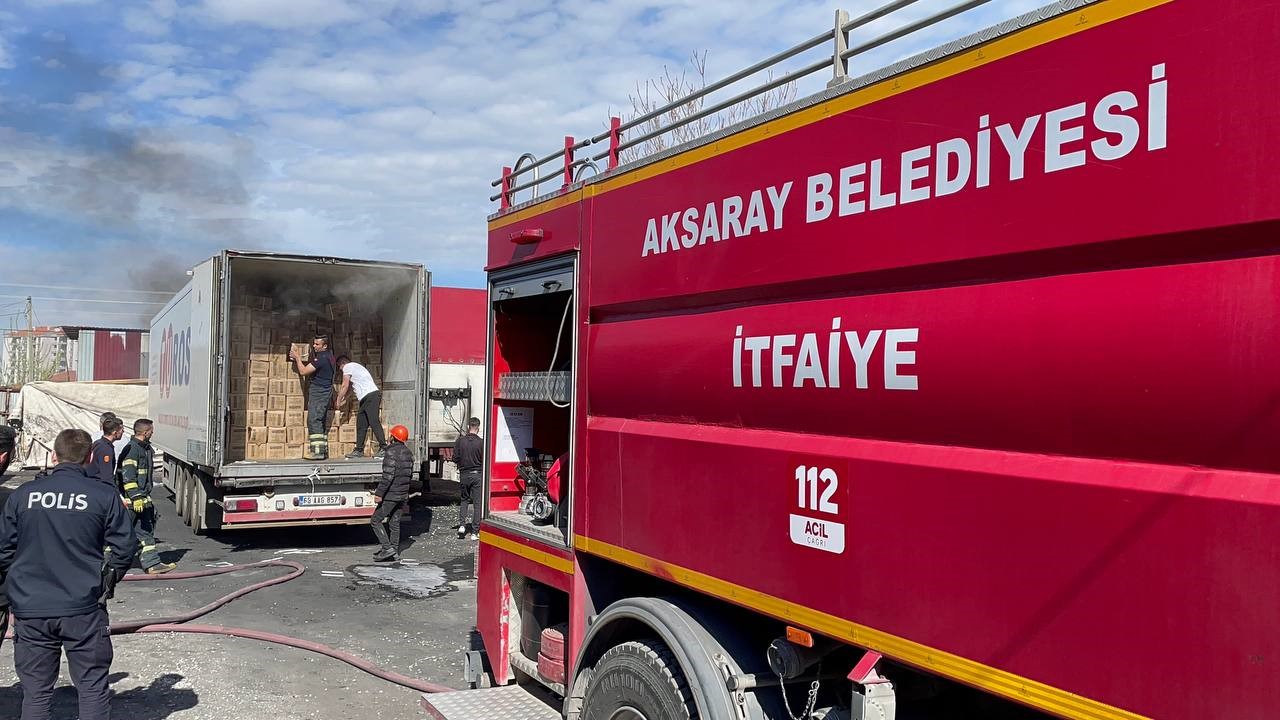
{"x":400,"y":433}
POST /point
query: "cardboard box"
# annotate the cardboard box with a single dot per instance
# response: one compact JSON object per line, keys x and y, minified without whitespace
{"x":261,"y":338}
{"x":274,"y":451}
{"x":240,"y":315}
{"x":295,"y":418}
{"x":239,"y":419}
{"x":240,"y":349}
{"x":255,"y":452}
{"x":278,"y":387}
{"x":258,"y":385}
{"x":255,"y":435}
{"x":294,"y":403}
{"x":257,"y":302}
{"x":276,"y":402}
{"x":275,"y":419}
{"x":283,"y":336}
{"x":259,"y":369}
{"x":256,"y":418}
{"x":262,"y":318}
{"x":236,"y":401}
{"x":338,"y":310}
{"x":295,"y":435}
{"x":239,"y":385}
{"x":241,"y":334}
{"x":277,"y":436}
{"x":347,"y":433}
{"x":256,"y":401}
{"x":297,"y":389}
{"x":282,"y":369}
{"x":301,"y":349}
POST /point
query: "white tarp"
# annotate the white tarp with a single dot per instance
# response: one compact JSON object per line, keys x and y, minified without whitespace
{"x":48,"y":408}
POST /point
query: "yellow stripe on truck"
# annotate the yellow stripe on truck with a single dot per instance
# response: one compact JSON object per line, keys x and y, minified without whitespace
{"x":969,"y":672}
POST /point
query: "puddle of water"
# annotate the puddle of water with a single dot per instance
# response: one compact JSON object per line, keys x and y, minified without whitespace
{"x":418,"y":581}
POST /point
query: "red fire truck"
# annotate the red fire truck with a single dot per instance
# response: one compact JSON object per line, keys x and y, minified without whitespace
{"x":950,"y":391}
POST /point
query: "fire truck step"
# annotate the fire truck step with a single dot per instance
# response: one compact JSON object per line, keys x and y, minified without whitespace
{"x":511,"y":702}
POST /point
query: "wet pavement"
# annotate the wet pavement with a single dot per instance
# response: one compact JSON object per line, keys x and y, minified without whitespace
{"x":413,"y":617}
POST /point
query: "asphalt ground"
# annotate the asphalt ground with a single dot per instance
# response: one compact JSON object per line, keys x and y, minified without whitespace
{"x":412,"y":617}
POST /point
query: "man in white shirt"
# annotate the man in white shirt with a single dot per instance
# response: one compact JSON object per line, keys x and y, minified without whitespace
{"x":355,"y":376}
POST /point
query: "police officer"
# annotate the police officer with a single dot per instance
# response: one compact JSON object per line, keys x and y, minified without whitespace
{"x":102,"y":462}
{"x":8,"y":443}
{"x":321,"y":369}
{"x":51,"y":539}
{"x":136,"y":463}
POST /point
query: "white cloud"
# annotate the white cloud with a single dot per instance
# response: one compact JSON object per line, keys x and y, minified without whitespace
{"x":281,"y":14}
{"x":206,"y":107}
{"x":58,"y":3}
{"x":6,"y":61}
{"x":154,"y":18}
{"x":385,"y":134}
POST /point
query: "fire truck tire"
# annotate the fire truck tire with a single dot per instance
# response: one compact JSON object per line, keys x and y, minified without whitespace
{"x":638,"y":680}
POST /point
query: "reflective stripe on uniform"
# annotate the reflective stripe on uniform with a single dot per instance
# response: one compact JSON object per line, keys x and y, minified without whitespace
{"x":130,"y":486}
{"x":143,"y":471}
{"x":129,"y":462}
{"x":148,"y":547}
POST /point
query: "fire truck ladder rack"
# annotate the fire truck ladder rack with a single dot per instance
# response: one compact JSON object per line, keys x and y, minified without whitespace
{"x":535,"y":386}
{"x":663,"y":120}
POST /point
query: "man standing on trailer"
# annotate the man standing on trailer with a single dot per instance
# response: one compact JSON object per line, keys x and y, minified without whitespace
{"x":51,"y":539}
{"x":102,"y":463}
{"x":136,"y":465}
{"x":370,"y":398}
{"x":321,"y":369}
{"x":468,"y":455}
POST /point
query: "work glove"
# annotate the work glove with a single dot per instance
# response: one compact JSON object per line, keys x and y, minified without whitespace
{"x":110,"y":578}
{"x":139,"y":505}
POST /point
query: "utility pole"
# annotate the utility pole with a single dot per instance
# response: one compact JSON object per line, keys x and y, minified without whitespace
{"x":29,"y":375}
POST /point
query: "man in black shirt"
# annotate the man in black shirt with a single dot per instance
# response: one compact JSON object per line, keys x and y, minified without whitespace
{"x":468,"y":455}
{"x":321,"y":369}
{"x":51,"y":539}
{"x":102,"y":462}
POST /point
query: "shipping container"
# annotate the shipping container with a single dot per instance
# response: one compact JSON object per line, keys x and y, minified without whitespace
{"x":201,"y":363}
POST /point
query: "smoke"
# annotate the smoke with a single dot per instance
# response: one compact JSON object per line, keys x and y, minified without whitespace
{"x":161,"y":272}
{"x":71,"y":153}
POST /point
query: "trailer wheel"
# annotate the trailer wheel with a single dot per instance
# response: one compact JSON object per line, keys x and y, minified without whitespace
{"x":638,"y":680}
{"x":188,"y":489}
{"x":179,"y":479}
{"x":197,"y":506}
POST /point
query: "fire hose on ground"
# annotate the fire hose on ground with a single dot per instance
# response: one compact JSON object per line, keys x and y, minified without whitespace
{"x":178,"y":623}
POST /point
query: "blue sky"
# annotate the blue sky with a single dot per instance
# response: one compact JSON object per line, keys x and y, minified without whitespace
{"x":138,"y":137}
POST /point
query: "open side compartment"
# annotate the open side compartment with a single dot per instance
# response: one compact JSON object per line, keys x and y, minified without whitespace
{"x":533,"y":346}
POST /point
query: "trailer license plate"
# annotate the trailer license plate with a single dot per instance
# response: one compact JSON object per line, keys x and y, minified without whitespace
{"x":316,"y":500}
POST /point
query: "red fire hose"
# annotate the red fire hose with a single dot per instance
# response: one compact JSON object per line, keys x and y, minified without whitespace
{"x":176,"y":623}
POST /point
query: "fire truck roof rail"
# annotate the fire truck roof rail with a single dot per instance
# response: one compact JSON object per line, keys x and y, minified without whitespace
{"x":837,"y":60}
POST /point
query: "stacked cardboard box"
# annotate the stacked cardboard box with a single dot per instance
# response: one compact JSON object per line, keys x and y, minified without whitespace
{"x":268,"y":398}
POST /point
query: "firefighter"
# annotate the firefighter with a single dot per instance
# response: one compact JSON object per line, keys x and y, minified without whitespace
{"x":102,"y":463}
{"x":8,"y":443}
{"x":392,"y":494}
{"x":136,"y":464}
{"x":468,"y":455}
{"x":51,"y":539}
{"x":321,"y":369}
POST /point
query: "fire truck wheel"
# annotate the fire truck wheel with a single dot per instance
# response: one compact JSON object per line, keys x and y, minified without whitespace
{"x":638,"y":680}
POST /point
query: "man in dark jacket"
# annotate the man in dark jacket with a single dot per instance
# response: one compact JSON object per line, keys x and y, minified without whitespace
{"x":392,"y":493}
{"x":102,"y":463}
{"x":51,"y":539}
{"x":8,"y":443}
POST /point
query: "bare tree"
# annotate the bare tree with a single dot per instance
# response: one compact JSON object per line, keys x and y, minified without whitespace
{"x":671,"y":86}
